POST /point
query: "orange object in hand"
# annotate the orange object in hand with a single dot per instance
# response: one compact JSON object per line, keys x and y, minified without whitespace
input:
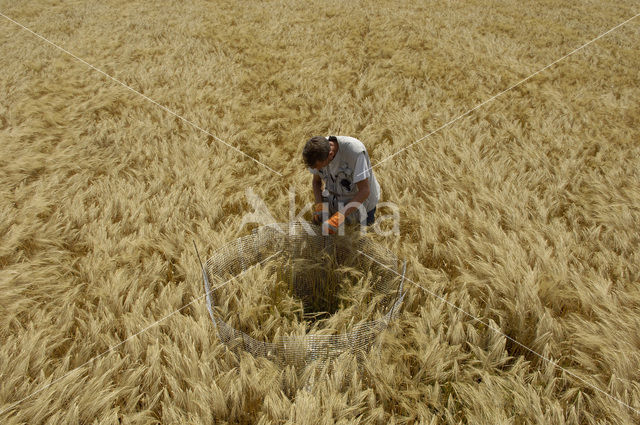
{"x":334,"y":223}
{"x":317,"y":213}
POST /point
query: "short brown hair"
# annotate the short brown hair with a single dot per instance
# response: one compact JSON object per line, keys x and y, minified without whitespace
{"x":316,"y":149}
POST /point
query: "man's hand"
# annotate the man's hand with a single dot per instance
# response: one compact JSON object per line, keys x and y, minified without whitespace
{"x":333,"y":224}
{"x":317,"y":213}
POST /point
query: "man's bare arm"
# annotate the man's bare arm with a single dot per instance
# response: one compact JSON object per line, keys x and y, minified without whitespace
{"x":317,"y":188}
{"x":361,"y":196}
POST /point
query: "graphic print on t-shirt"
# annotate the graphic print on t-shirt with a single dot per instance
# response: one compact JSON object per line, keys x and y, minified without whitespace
{"x":344,"y":178}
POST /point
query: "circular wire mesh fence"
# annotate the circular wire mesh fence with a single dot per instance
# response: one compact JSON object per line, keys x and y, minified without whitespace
{"x":311,"y":267}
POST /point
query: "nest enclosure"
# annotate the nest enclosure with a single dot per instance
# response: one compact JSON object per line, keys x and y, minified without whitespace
{"x":322,"y":276}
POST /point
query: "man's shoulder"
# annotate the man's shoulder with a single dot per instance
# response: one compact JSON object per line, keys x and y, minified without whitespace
{"x":351,"y":144}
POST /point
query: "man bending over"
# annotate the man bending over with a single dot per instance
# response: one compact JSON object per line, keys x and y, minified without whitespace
{"x":351,"y":191}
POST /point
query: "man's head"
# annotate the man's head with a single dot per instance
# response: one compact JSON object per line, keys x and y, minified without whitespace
{"x":319,"y":151}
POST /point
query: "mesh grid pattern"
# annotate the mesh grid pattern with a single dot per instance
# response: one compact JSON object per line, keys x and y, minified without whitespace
{"x":292,"y":241}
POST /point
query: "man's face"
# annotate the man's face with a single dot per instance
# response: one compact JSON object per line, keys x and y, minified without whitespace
{"x":321,"y":164}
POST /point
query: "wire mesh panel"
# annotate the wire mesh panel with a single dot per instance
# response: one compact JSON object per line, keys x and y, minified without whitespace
{"x":312,"y":266}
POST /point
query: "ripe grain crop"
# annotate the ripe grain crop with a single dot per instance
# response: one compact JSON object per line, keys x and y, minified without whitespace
{"x":523,"y":214}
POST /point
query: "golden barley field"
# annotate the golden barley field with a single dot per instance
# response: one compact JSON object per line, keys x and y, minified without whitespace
{"x":518,"y":213}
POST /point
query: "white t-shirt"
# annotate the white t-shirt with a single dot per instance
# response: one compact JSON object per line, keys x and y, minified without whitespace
{"x":350,"y":165}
